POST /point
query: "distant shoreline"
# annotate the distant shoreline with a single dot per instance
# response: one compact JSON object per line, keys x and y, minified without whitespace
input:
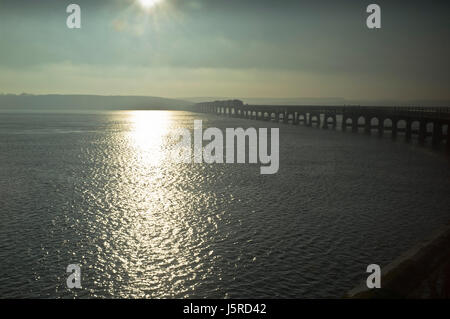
{"x":90,"y":102}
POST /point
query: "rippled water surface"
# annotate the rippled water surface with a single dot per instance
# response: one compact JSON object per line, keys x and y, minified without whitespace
{"x":95,"y":190}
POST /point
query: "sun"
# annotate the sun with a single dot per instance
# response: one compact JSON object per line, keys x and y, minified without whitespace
{"x":149,"y":3}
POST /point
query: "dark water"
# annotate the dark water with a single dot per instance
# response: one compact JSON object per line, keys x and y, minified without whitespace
{"x":94,"y":190}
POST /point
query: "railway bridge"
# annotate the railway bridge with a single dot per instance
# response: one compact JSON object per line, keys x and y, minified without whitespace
{"x":413,"y":122}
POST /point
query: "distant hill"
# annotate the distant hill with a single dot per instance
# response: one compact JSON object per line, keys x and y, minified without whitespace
{"x":88,"y":102}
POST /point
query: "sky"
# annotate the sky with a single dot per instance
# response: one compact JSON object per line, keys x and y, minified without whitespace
{"x":233,"y":48}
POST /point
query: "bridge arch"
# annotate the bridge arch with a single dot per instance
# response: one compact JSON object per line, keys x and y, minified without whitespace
{"x":314,"y":118}
{"x":361,"y":120}
{"x":401,"y":125}
{"x":329,"y":120}
{"x":302,"y":117}
{"x":415,"y":125}
{"x":290,"y":117}
{"x":374,"y":121}
{"x":388,"y":123}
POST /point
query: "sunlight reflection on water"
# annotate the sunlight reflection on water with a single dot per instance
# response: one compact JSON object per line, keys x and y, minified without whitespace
{"x":147,"y":134}
{"x":156,"y":245}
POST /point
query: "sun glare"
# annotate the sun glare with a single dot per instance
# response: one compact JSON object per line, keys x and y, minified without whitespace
{"x":147,"y":134}
{"x":149,"y":3}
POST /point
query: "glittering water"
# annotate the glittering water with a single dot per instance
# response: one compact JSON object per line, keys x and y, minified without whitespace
{"x":94,"y":190}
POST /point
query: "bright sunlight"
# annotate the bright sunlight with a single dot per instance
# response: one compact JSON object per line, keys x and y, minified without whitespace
{"x":149,"y":3}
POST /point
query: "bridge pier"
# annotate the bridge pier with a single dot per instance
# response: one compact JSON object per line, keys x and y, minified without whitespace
{"x":408,"y":133}
{"x":394,"y":128}
{"x":380,"y":127}
{"x":354,"y":124}
{"x":422,"y":132}
{"x":325,"y":122}
{"x":295,"y":118}
{"x":448,"y":137}
{"x":437,"y":134}
{"x":367,"y":126}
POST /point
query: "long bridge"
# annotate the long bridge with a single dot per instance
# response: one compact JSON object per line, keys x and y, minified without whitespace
{"x":415,"y":122}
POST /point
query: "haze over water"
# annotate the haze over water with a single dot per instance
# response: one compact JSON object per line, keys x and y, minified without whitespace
{"x":94,"y":190}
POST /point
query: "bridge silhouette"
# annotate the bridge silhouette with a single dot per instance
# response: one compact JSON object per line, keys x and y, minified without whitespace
{"x":415,"y":122}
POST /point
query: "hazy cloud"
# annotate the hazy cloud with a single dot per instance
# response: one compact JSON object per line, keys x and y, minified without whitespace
{"x":323,"y":39}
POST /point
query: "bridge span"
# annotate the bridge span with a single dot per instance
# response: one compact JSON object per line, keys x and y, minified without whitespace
{"x":414,"y":122}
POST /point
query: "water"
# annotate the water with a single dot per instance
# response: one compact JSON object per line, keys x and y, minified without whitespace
{"x":94,"y":190}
